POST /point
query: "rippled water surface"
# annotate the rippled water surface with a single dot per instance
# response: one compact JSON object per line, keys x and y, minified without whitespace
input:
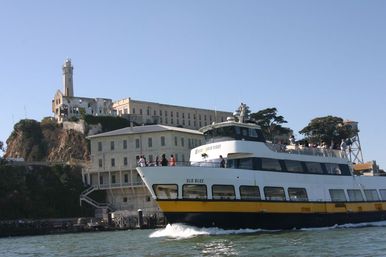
{"x":179,"y":240}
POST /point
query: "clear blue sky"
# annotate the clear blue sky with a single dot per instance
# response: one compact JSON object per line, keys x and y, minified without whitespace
{"x":306,"y":58}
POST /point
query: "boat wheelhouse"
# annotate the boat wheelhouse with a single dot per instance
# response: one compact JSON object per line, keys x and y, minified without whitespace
{"x":263,"y":185}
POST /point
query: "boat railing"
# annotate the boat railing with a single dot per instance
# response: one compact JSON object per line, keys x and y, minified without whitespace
{"x":296,"y":149}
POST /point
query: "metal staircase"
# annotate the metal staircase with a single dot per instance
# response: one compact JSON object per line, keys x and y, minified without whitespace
{"x":84,"y":197}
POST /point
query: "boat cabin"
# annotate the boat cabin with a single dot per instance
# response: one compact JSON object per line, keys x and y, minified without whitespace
{"x":231,"y":130}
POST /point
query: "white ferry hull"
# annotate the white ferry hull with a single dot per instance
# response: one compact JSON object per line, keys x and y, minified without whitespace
{"x":317,"y":211}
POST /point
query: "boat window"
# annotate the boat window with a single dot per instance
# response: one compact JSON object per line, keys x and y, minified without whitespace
{"x":344,"y":169}
{"x":250,"y":193}
{"x":293,"y":166}
{"x":246,"y":163}
{"x":337,"y":195}
{"x":244,"y":132}
{"x":333,"y":169}
{"x":270,"y":164}
{"x":274,"y":193}
{"x":355,"y":195}
{"x":314,"y":167}
{"x":166,"y":191}
{"x":371,"y":195}
{"x":253,"y":133}
{"x":191,"y":191}
{"x":383,"y":194}
{"x":297,"y":194}
{"x":223,"y":192}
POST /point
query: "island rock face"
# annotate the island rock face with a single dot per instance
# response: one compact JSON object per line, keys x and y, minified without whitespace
{"x":34,"y":141}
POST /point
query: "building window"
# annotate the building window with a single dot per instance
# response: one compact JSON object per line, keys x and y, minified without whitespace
{"x":171,"y":113}
{"x":125,"y":161}
{"x":155,"y":112}
{"x":133,"y":110}
{"x":101,"y":180}
{"x":171,"y":121}
{"x":162,"y":141}
{"x":124,"y":144}
{"x":148,"y":111}
{"x":137,"y":143}
{"x":125,"y":111}
{"x":188,"y":115}
{"x":113,"y":181}
{"x":124,"y":199}
{"x":150,"y":158}
{"x":175,"y":141}
{"x":177,"y":114}
{"x":150,"y":142}
{"x":166,"y":113}
{"x":182,"y":142}
{"x":160,"y":112}
{"x":99,"y":146}
{"x":126,"y":178}
{"x":183,"y":115}
{"x":100,"y":163}
{"x":112,"y":146}
{"x":112,"y":162}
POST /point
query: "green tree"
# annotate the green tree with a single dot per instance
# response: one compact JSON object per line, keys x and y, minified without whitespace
{"x":329,"y":129}
{"x":271,"y":123}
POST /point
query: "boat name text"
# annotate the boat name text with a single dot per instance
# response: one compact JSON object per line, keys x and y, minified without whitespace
{"x":194,"y":180}
{"x":209,"y":148}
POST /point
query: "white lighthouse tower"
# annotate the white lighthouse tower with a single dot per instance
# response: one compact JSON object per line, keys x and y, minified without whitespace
{"x":68,"y":82}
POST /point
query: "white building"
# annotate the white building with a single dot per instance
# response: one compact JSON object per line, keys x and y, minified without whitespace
{"x":66,"y":106}
{"x":142,"y":112}
{"x":114,"y":157}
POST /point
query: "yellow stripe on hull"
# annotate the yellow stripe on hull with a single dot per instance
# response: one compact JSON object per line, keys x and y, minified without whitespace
{"x":268,"y":207}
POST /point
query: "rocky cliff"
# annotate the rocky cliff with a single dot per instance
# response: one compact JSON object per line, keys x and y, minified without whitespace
{"x":46,"y":141}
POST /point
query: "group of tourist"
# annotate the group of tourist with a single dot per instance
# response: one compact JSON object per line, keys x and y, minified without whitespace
{"x":163,"y":161}
{"x":343,"y":145}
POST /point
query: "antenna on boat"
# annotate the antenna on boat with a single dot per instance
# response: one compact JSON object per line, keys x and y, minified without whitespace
{"x":242,"y":113}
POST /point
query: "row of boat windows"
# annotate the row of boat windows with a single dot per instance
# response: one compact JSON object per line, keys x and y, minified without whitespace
{"x":289,"y":166}
{"x":227,"y":192}
{"x":235,"y":132}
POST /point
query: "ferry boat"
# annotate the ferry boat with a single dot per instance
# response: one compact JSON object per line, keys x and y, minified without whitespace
{"x":263,"y":185}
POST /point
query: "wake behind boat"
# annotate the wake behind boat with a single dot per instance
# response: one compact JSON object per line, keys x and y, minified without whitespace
{"x":263,"y":185}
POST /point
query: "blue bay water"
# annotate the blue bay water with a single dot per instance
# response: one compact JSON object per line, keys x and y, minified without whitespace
{"x":180,"y":240}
